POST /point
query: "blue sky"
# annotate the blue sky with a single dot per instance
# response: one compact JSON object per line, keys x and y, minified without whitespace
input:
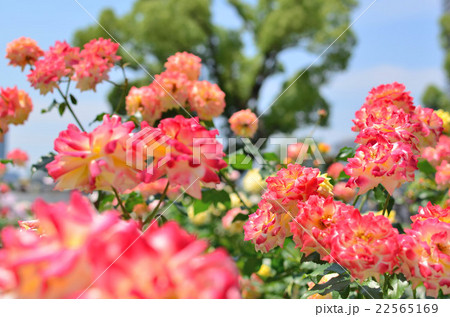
{"x":398,"y":40}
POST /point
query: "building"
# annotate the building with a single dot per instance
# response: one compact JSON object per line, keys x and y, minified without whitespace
{"x":2,"y":150}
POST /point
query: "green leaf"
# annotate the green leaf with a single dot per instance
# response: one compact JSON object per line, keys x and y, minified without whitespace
{"x":240,"y":217}
{"x":178,"y":206}
{"x":371,"y":290}
{"x":200,"y":206}
{"x":133,"y":119}
{"x":49,"y":108}
{"x":99,"y":118}
{"x":398,"y":287}
{"x":6,"y":161}
{"x":318,"y":272}
{"x":215,"y":196}
{"x":426,"y":194}
{"x":161,"y":219}
{"x":62,"y":108}
{"x":338,"y":283}
{"x":343,"y":176}
{"x":132,"y":200}
{"x":106,"y":202}
{"x":399,"y":227}
{"x":345,"y":153}
{"x":73,"y":99}
{"x":335,"y":268}
{"x":344,"y":293}
{"x":271,"y":157}
{"x":42,"y":162}
{"x":426,"y":168}
{"x":208,"y":124}
{"x":239,"y":161}
{"x":212,"y":197}
{"x":313,"y":257}
{"x":251,"y":265}
{"x":381,"y":195}
{"x":277,"y":263}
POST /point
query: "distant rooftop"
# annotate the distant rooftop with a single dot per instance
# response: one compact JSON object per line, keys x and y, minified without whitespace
{"x":2,"y":150}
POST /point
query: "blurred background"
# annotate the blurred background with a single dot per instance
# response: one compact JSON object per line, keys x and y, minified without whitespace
{"x":252,"y":49}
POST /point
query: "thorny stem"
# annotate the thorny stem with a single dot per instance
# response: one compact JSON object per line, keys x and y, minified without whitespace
{"x":153,"y":213}
{"x":386,"y":203}
{"x":113,"y":83}
{"x":124,"y":90}
{"x":311,"y":133}
{"x":356,"y":200}
{"x":125,"y":212}
{"x":70,"y":108}
{"x":385,"y":285}
{"x":363,"y":201}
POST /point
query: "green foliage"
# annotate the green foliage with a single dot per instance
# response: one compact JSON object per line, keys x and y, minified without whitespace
{"x":42,"y":162}
{"x":270,"y":28}
{"x":383,"y":198}
{"x":345,"y":153}
{"x":339,"y":284}
{"x":398,"y":287}
{"x":132,"y":200}
{"x":271,"y":157}
{"x":426,"y":168}
{"x":433,"y":96}
{"x":212,"y":197}
{"x":371,"y":289}
{"x":99,"y":117}
{"x":61,"y":108}
{"x":251,"y":265}
{"x":239,"y":161}
{"x":73,"y":99}
{"x":50,"y":107}
{"x":105,"y":201}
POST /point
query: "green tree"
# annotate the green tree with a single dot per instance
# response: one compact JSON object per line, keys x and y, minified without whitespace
{"x":434,"y":97}
{"x":239,"y":60}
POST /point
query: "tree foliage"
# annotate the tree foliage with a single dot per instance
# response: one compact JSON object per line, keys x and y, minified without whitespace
{"x":434,"y":97}
{"x":240,"y":60}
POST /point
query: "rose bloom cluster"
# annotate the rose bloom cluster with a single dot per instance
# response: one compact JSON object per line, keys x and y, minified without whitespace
{"x":269,"y":225}
{"x":299,"y":203}
{"x":392,"y":135}
{"x":87,"y":67}
{"x":74,"y":252}
{"x":178,"y":86}
{"x":95,"y":160}
{"x":425,"y":250}
{"x":15,"y":107}
{"x":23,"y":51}
{"x":112,"y":157}
{"x":439,"y":157}
{"x":182,"y":150}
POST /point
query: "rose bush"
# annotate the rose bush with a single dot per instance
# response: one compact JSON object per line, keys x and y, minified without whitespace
{"x":171,"y":215}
